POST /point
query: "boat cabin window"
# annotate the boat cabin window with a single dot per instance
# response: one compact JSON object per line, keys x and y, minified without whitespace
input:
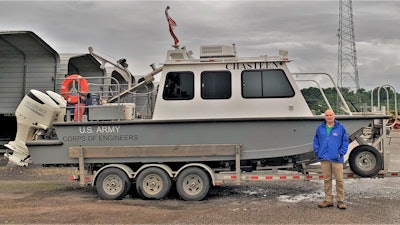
{"x":179,"y":86}
{"x":266,"y":84}
{"x":216,"y":85}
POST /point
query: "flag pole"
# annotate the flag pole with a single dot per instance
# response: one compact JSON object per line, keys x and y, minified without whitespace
{"x":171,"y":26}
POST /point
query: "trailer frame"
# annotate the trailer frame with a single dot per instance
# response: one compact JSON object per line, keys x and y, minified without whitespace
{"x":87,"y":176}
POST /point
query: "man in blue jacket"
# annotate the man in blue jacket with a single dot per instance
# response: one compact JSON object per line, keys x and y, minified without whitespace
{"x":330,"y":145}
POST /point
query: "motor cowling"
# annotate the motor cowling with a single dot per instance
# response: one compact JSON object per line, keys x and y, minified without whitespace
{"x":62,"y":105}
{"x":37,"y":111}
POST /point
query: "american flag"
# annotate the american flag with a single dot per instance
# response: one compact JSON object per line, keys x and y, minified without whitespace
{"x":171,"y":22}
{"x":171,"y":25}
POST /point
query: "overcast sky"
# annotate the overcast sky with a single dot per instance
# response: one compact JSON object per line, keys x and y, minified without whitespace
{"x":138,"y":31}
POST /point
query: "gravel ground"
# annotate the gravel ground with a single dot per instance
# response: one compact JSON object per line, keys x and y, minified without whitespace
{"x":38,"y":195}
{"x":44,"y":195}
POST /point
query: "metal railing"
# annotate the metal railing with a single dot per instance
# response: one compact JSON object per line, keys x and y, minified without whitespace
{"x":344,"y":103}
{"x":101,"y":90}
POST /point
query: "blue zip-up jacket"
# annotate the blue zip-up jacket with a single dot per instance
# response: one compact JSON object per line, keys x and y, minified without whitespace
{"x":333,"y":147}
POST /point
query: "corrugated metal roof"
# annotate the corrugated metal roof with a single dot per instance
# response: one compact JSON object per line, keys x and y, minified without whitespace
{"x":26,"y":43}
{"x":26,"y":62}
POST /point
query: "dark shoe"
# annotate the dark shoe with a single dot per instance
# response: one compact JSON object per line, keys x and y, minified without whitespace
{"x":325,"y":204}
{"x":341,"y":205}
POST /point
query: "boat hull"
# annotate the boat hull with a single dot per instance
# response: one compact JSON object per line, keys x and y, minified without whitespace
{"x":259,"y":138}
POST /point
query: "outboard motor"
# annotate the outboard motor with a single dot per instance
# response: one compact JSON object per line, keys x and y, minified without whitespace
{"x":37,"y":111}
{"x":62,"y":104}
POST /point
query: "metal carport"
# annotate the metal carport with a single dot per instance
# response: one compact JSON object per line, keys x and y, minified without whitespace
{"x":26,"y":62}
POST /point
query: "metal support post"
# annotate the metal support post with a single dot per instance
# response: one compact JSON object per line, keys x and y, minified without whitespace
{"x":237,"y":157}
{"x":82,"y":181}
{"x":385,"y":145}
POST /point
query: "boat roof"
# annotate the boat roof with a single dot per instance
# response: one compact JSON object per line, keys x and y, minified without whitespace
{"x":218,"y":54}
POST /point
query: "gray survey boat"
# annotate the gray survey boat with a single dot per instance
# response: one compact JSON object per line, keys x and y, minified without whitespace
{"x":216,"y":100}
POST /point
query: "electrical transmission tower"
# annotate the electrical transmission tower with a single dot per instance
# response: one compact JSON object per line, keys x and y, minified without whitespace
{"x":347,"y":54}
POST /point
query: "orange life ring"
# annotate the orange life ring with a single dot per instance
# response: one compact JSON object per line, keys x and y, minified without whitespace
{"x":83,"y":88}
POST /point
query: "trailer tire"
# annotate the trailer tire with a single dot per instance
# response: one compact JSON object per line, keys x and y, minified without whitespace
{"x":193,"y":184}
{"x":153,"y":183}
{"x":365,"y":161}
{"x":112,"y":184}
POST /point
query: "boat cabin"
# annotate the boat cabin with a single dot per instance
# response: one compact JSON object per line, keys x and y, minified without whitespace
{"x":222,"y":85}
{"x":218,"y":85}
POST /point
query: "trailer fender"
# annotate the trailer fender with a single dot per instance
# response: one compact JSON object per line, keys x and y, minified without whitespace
{"x":123,"y":167}
{"x":161,"y":166}
{"x":205,"y":167}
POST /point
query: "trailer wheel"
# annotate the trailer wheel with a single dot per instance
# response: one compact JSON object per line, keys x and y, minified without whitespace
{"x":193,"y":184}
{"x":112,"y":184}
{"x":153,"y":183}
{"x":365,"y":161}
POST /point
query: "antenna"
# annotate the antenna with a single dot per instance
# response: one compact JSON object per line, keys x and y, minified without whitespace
{"x":347,"y":54}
